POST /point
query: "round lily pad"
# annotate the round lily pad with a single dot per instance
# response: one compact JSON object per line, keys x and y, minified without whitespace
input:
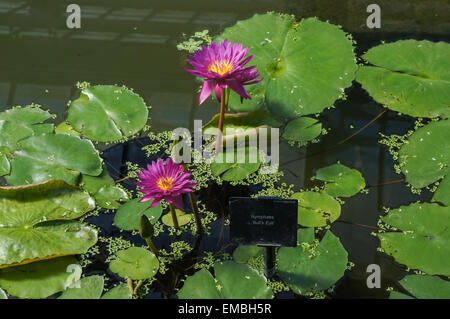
{"x":243,"y":253}
{"x":65,"y":128}
{"x":182,"y":217}
{"x":425,"y":228}
{"x":135,"y":263}
{"x":426,"y":287}
{"x":36,"y":222}
{"x":409,"y":77}
{"x":53,"y":156}
{"x":316,"y":209}
{"x":109,"y":196}
{"x":442,"y":194}
{"x":40,"y":279}
{"x":311,"y":265}
{"x":90,"y":287}
{"x":303,"y":130}
{"x":306,"y":66}
{"x":107,"y":113}
{"x":341,"y":181}
{"x":233,"y":281}
{"x":128,"y":216}
{"x":121,"y":291}
{"x":425,"y":158}
{"x":240,"y":165}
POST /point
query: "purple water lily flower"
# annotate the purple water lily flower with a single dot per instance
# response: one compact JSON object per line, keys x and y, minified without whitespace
{"x":165,"y":181}
{"x":222,"y":65}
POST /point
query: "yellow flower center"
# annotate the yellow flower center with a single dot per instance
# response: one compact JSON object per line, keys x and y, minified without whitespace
{"x":220,"y":67}
{"x":165,"y":183}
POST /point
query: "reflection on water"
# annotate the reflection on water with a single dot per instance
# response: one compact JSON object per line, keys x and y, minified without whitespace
{"x":133,"y":43}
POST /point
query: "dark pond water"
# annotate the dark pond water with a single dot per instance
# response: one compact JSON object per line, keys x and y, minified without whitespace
{"x":133,"y":43}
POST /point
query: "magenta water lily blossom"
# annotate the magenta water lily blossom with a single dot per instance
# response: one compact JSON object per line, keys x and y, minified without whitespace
{"x":222,"y":65}
{"x":165,"y":181}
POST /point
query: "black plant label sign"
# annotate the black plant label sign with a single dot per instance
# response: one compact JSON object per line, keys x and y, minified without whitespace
{"x":263,"y":221}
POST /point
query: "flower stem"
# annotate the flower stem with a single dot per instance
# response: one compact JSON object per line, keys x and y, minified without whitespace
{"x":223,"y":108}
{"x":130,"y":286}
{"x":194,"y":205}
{"x":139,"y":284}
{"x":152,"y":247}
{"x":174,"y":217}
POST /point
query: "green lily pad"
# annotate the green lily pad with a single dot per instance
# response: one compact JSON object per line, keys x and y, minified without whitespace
{"x":442,"y":194}
{"x":240,"y":167}
{"x":5,"y":167}
{"x":135,"y":263}
{"x":425,"y":158}
{"x":53,"y":156}
{"x":104,"y":190}
{"x":341,"y":181}
{"x":311,"y":266}
{"x":109,"y":196}
{"x":3,"y":294}
{"x":40,"y":279}
{"x":89,"y":288}
{"x":233,"y":281}
{"x":120,"y":291}
{"x":426,"y":287}
{"x":316,"y":209}
{"x":306,"y":66}
{"x":243,"y":253}
{"x":409,"y":77}
{"x":398,"y":295}
{"x":128,"y":216}
{"x":65,"y":128}
{"x":35,"y":222}
{"x":27,"y":115}
{"x":425,"y":228}
{"x":107,"y":113}
{"x":303,"y":130}
{"x":182,"y":217}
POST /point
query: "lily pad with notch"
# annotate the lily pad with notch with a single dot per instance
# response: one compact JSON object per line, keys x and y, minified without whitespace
{"x":409,"y":76}
{"x":37,"y":222}
{"x":128,"y":216}
{"x":424,"y":227}
{"x":135,"y":263}
{"x":306,"y":65}
{"x":232,"y":281}
{"x":107,"y":113}
{"x":312,"y":265}
{"x":316,"y":209}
